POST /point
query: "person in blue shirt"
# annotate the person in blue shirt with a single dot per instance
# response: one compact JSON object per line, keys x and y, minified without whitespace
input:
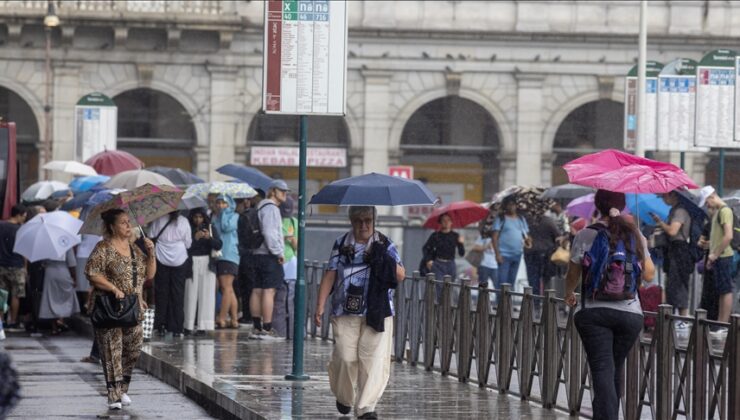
{"x":510,"y":237}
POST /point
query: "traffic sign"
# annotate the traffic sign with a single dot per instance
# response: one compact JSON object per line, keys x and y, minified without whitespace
{"x":401,"y":171}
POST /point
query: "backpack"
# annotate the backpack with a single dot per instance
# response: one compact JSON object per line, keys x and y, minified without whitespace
{"x":610,"y":272}
{"x":249,"y":230}
{"x":735,"y":242}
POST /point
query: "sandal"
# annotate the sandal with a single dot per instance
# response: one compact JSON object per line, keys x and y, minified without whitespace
{"x":220,"y":325}
{"x":233,"y":325}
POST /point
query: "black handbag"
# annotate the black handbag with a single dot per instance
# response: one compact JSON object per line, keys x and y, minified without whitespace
{"x":110,"y":312}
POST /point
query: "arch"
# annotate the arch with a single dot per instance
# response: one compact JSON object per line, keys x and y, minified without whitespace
{"x":28,"y":131}
{"x":33,"y":101}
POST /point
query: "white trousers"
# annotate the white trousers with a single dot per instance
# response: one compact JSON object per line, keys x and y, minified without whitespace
{"x":360,"y":364}
{"x":200,"y":293}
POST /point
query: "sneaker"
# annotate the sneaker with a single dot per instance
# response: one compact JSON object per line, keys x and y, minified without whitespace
{"x":270,"y":335}
{"x":2,"y":334}
{"x":17,"y":327}
{"x":200,"y":333}
{"x":161,"y":331}
{"x":256,"y":335}
{"x":682,"y":326}
{"x":343,"y":409}
{"x":369,"y":415}
{"x":115,"y":406}
{"x":125,"y":399}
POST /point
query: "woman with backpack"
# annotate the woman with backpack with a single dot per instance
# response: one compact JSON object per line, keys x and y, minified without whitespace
{"x":610,"y":317}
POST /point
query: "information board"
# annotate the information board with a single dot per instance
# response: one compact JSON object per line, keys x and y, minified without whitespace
{"x":96,"y":124}
{"x":650,"y":142}
{"x":677,"y":106}
{"x":715,"y":100}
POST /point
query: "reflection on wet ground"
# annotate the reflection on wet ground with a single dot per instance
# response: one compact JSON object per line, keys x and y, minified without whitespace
{"x":251,"y":373}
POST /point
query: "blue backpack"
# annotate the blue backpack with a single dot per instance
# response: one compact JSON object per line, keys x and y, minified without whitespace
{"x":609,"y":272}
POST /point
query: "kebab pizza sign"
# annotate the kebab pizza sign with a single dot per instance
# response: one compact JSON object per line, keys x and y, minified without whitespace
{"x":318,"y":157}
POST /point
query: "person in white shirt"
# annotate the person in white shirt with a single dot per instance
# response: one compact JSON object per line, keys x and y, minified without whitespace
{"x":172,"y":237}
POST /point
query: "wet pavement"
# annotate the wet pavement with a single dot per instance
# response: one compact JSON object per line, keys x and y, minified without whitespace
{"x":241,"y":378}
{"x":56,"y":385}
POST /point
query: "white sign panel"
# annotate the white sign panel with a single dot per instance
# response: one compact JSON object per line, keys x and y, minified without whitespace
{"x":676,"y":109}
{"x":305,"y":57}
{"x":95,"y":130}
{"x":630,"y":113}
{"x":319,"y":157}
{"x":715,"y":107}
{"x":737,"y":99}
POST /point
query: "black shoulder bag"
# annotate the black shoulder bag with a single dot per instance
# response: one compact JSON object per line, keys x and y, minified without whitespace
{"x":110,"y":312}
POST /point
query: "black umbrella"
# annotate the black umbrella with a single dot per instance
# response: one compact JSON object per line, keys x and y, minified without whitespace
{"x":567,"y":192}
{"x":177,"y":175}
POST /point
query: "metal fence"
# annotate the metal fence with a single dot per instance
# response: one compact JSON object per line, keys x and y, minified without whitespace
{"x":527,"y":345}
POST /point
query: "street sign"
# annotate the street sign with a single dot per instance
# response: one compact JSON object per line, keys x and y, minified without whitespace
{"x":305,"y":54}
{"x":400,"y":171}
{"x":677,"y":106}
{"x":96,"y":125}
{"x":318,"y":157}
{"x":651,"y":107}
{"x":715,"y":100}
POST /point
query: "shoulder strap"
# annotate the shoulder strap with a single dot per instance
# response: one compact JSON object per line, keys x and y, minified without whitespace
{"x":134,"y":270}
{"x":162,"y":231}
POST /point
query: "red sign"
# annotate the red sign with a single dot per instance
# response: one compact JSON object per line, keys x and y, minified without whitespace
{"x":406,"y":172}
{"x":272,"y":49}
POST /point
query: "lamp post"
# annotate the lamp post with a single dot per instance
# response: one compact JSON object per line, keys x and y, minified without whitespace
{"x":51,"y":21}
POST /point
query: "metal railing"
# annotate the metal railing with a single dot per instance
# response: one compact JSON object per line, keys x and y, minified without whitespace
{"x":527,"y":345}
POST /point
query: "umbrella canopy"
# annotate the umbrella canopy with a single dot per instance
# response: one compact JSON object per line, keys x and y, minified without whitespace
{"x":528,"y":200}
{"x":112,"y":162}
{"x":177,"y":175}
{"x":143,"y":204}
{"x":47,"y":235}
{"x":43,"y":190}
{"x":86,"y":183}
{"x":232,"y":189}
{"x":375,"y":190}
{"x":133,"y":179}
{"x":644,"y":204}
{"x":617,"y":171}
{"x":78,"y":201}
{"x":462,"y":214}
{"x":567,"y":192}
{"x":70,"y":167}
{"x":582,"y":207}
{"x":192,"y":202}
{"x":251,"y":176}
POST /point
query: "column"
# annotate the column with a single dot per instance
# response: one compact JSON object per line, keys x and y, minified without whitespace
{"x":507,"y":173}
{"x":65,"y":94}
{"x":223,"y":119}
{"x":529,"y":129}
{"x":377,"y":124}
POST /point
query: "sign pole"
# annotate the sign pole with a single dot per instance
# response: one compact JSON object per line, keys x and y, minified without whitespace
{"x":683,"y":160}
{"x":721,"y":181}
{"x":641,"y":82}
{"x":299,"y":316}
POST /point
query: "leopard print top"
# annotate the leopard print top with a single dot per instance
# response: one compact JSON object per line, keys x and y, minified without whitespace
{"x":107,"y":262}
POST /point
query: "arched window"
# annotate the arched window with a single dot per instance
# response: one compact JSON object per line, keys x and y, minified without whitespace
{"x":156,"y":128}
{"x":452,"y":142}
{"x":14,"y":109}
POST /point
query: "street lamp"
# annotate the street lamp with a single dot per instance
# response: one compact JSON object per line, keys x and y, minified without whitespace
{"x":51,"y":21}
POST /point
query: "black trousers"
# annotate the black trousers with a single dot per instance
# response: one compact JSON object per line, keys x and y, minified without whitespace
{"x":246,"y":283}
{"x":169,"y":297}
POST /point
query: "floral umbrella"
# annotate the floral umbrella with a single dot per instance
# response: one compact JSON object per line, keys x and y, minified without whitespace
{"x":143,"y":204}
{"x":232,"y":189}
{"x":528,"y":200}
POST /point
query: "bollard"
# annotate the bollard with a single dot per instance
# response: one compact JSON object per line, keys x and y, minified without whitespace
{"x":699,"y":364}
{"x":664,"y":356}
{"x":526,"y":343}
{"x":733,"y":341}
{"x":430,"y":323}
{"x":575,"y":360}
{"x":400,"y":321}
{"x":503,"y":339}
{"x":415,"y":322}
{"x":551,"y":355}
{"x":483,"y":336}
{"x":464,"y":335}
{"x":446,"y":327}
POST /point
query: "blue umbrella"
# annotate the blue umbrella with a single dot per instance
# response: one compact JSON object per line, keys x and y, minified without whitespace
{"x":78,"y":201}
{"x":375,"y":190}
{"x":177,"y":175}
{"x":251,"y":176}
{"x":86,"y":183}
{"x":642,"y":205}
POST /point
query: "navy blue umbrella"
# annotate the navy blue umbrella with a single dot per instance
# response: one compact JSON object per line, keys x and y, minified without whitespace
{"x":375,"y":190}
{"x":252,"y":176}
{"x":177,"y":175}
{"x":78,"y":201}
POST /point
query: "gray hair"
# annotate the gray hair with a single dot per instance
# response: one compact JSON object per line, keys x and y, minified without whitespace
{"x":358,"y":211}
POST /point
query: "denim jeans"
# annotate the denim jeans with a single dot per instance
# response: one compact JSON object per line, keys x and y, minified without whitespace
{"x":488,"y":276}
{"x":441,"y":269}
{"x":507,"y":270}
{"x":536,"y":263}
{"x":607,"y":336}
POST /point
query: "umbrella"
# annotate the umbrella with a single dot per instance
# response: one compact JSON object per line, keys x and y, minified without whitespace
{"x":232,"y":189}
{"x":143,"y":204}
{"x":43,"y":190}
{"x":136,"y":178}
{"x":462,"y":213}
{"x":78,"y":201}
{"x":252,"y":176}
{"x":70,"y":167}
{"x":644,"y":204}
{"x":582,"y":207}
{"x":192,"y":202}
{"x":111,"y":162}
{"x":528,"y":200}
{"x":177,"y":175}
{"x":86,"y":183}
{"x":567,"y":192}
{"x":617,"y":171}
{"x":47,"y":235}
{"x":374,"y":189}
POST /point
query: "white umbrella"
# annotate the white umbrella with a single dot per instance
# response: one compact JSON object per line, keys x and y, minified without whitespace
{"x":136,"y":178}
{"x":71,"y":167}
{"x":47,"y":235}
{"x":43,"y":190}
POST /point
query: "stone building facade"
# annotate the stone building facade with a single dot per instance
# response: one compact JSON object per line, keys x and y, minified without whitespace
{"x":475,"y":95}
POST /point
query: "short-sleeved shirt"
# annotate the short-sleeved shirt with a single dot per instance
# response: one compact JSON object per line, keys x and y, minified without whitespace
{"x":582,"y":244}
{"x":489,"y":256}
{"x":107,"y":262}
{"x":290,"y":228}
{"x":8,"y":258}
{"x":679,"y":214}
{"x":353,"y":271}
{"x":512,"y":231}
{"x":717,"y":232}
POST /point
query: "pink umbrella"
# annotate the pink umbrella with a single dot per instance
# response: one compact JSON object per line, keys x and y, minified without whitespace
{"x":112,"y":162}
{"x":617,"y":171}
{"x":462,"y":214}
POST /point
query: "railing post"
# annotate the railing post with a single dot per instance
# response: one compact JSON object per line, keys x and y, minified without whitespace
{"x":446,"y":327}
{"x":733,"y":340}
{"x":401,"y":320}
{"x":550,"y":354}
{"x":503,"y":339}
{"x":483,"y":336}
{"x":430,"y":322}
{"x":699,"y":364}
{"x":575,"y":360}
{"x":526,"y":343}
{"x":415,"y":321}
{"x":664,"y":356}
{"x":326,"y":318}
{"x":464,"y":334}
{"x":311,"y":296}
{"x":632,"y":382}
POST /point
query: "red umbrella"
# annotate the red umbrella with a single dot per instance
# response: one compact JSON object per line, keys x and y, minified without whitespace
{"x":462,"y":213}
{"x":617,"y":171}
{"x":112,"y":162}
